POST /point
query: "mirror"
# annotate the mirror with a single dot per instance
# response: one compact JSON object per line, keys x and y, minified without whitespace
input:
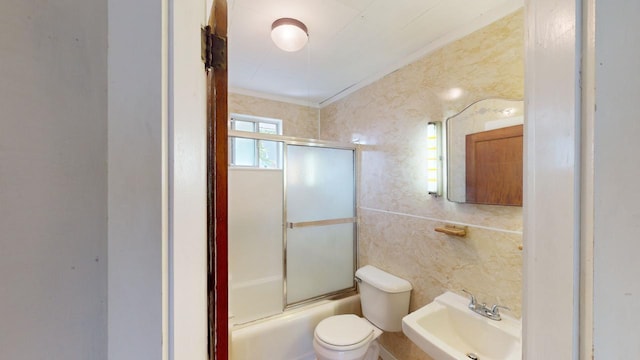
{"x":484,"y":153}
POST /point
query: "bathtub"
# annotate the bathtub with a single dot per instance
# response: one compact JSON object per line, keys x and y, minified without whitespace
{"x":288,"y":336}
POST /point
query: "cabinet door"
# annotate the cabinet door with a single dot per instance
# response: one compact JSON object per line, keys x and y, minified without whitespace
{"x":494,"y":167}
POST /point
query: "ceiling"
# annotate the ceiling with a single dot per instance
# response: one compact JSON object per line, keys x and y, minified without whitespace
{"x":351,"y":42}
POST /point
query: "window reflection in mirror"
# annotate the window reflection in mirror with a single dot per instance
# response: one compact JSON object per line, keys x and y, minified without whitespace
{"x":484,"y":153}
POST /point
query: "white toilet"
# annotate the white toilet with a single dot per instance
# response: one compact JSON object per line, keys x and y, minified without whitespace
{"x":384,"y":299}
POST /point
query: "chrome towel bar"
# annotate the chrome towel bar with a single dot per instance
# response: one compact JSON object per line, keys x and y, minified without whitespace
{"x":292,"y":225}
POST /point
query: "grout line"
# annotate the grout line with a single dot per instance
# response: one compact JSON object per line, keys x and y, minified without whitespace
{"x":442,"y":220}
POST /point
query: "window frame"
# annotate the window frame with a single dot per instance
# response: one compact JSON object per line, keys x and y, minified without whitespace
{"x":256,"y":122}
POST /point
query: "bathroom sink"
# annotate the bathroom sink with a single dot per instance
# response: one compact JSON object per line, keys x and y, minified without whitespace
{"x":447,"y":330}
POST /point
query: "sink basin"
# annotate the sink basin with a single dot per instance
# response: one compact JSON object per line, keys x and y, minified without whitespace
{"x":447,"y":330}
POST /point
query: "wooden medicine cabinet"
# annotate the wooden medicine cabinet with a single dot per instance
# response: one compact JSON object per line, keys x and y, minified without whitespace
{"x":484,"y":153}
{"x":494,"y":167}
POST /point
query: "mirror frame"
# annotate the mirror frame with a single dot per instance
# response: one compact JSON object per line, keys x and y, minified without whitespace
{"x":498,"y":111}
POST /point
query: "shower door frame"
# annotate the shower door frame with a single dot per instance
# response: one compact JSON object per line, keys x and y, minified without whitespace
{"x":288,"y":140}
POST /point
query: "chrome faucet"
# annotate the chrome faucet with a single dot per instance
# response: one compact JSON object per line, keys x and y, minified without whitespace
{"x":492,"y":312}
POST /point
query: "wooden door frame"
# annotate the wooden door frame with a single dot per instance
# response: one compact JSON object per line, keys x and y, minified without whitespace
{"x":217,"y":172}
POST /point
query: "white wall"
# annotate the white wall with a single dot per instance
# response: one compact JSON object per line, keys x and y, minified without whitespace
{"x":157,"y":181}
{"x":53,"y":179}
{"x":188,"y":196}
{"x":84,"y":165}
{"x":610,"y":310}
{"x":138,"y":184}
{"x":617,"y":175}
{"x":552,"y":184}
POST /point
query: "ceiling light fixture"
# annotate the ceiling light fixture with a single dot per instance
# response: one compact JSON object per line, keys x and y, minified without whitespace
{"x":289,"y":34}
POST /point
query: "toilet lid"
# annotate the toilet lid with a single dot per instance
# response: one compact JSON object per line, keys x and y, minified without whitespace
{"x":343,"y":330}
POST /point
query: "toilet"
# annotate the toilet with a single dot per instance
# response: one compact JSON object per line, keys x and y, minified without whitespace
{"x":384,"y":299}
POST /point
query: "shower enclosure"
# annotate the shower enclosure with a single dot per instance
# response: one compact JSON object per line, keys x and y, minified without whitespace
{"x":292,"y":222}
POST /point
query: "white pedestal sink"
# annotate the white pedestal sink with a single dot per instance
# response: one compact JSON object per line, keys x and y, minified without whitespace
{"x":447,"y":330}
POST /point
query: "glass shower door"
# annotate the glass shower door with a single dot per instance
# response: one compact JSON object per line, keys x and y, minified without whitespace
{"x":321,"y":221}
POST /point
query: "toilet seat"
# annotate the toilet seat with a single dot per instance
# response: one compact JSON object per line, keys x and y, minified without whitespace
{"x":344,"y":332}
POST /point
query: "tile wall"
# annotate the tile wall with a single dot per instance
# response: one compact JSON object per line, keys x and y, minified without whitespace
{"x":297,"y":120}
{"x":397,"y":217}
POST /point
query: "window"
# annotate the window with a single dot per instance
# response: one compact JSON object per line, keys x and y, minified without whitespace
{"x":264,"y":154}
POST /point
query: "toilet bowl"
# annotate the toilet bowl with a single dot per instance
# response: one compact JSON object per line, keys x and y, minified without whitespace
{"x":384,"y":299}
{"x":346,"y":337}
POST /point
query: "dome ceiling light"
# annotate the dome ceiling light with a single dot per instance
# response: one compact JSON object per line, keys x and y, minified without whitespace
{"x":289,"y":34}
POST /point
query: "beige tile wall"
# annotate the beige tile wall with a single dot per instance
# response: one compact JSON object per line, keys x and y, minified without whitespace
{"x":397,"y":217}
{"x":297,"y":120}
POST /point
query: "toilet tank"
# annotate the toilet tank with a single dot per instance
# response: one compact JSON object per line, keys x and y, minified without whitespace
{"x":384,"y":297}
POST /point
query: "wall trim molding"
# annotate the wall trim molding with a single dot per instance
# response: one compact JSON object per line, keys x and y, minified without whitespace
{"x":265,"y":96}
{"x":442,"y":220}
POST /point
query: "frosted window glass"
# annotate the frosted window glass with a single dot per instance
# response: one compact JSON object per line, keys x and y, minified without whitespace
{"x":244,"y":151}
{"x":320,"y":186}
{"x":268,"y":128}
{"x":269,"y":154}
{"x":244,"y":125}
{"x":255,"y":243}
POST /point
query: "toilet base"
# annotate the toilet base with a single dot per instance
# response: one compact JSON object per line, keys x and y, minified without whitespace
{"x":371,"y":352}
